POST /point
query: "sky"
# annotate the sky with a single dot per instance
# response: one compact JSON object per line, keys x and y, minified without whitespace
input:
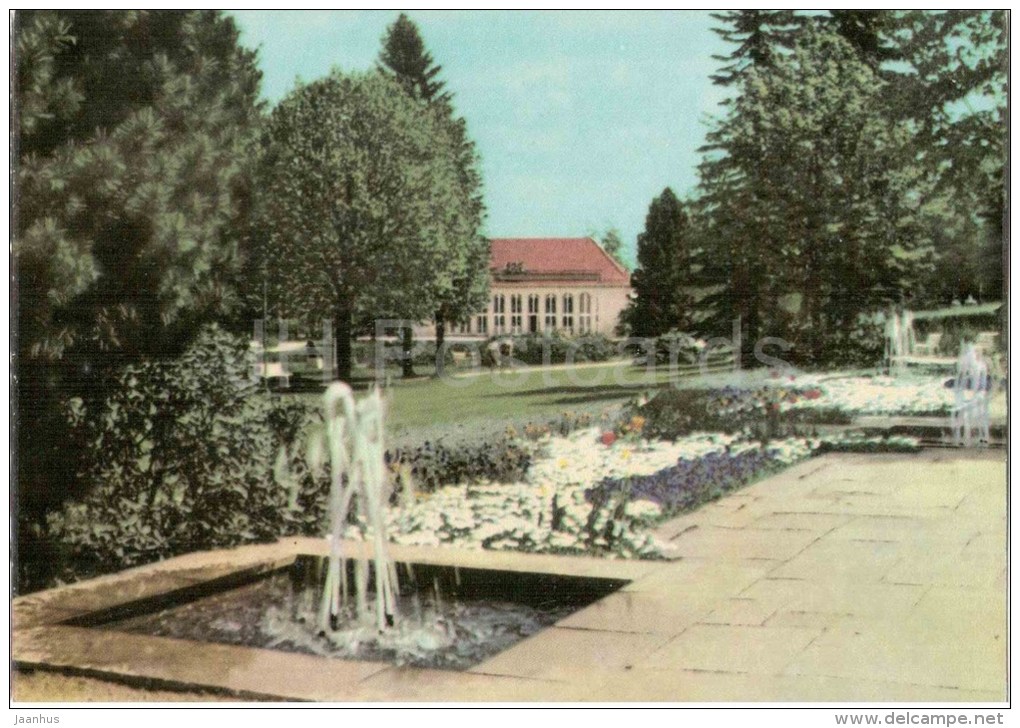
{"x":581,"y":118}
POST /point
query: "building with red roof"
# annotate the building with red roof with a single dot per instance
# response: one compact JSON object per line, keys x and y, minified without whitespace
{"x":568,"y":285}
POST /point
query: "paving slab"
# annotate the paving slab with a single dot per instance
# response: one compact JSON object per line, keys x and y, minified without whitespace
{"x":733,"y":648}
{"x":673,"y":685}
{"x":556,"y":651}
{"x":637,"y":611}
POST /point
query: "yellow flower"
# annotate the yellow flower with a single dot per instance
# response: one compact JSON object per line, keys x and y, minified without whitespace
{"x":625,"y":454}
{"x":562,"y":463}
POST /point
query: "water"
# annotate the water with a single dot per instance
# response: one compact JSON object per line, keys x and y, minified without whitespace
{"x":448,"y":633}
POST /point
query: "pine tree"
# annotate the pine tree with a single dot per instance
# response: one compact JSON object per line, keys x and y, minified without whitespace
{"x":817,"y":198}
{"x":133,"y":135}
{"x":661,"y":302}
{"x":404,"y":57}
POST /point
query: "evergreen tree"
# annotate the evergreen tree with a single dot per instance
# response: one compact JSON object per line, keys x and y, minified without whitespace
{"x":759,"y":36}
{"x":953,"y":92}
{"x":613,"y":244}
{"x":816,"y":199}
{"x":132,"y":137}
{"x":867,"y":31}
{"x":404,"y":57}
{"x":661,"y":302}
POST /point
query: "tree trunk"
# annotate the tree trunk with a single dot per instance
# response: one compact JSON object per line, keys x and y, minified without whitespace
{"x":342,"y":325}
{"x":750,"y":339}
{"x":406,"y":345}
{"x":440,"y":341}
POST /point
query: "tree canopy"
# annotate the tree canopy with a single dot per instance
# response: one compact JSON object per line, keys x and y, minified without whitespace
{"x":612,"y":243}
{"x":132,"y":153}
{"x":859,"y":163}
{"x":816,"y":198}
{"x":359,"y":205}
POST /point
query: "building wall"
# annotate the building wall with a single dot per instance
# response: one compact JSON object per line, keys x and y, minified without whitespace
{"x":603,"y":304}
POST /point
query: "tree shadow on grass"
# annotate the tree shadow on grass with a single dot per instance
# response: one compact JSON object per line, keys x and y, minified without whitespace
{"x":580,"y":394}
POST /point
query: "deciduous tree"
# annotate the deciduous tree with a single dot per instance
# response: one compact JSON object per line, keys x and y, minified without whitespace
{"x":356,"y":197}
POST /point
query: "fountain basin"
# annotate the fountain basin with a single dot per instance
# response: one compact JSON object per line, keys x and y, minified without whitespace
{"x":450,"y":617}
{"x":68,"y":629}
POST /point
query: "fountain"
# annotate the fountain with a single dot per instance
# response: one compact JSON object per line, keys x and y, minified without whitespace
{"x":354,"y":434}
{"x":345,"y":597}
{"x":899,"y":340}
{"x":971,"y":390}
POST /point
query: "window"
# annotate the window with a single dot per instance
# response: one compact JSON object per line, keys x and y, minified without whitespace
{"x":499,"y":314}
{"x":515,"y":314}
{"x":550,"y":312}
{"x":568,"y":312}
{"x":483,"y":323}
{"x":533,"y":313}
{"x":584,"y":311}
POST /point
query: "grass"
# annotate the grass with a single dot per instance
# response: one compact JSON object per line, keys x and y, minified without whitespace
{"x":983,"y":309}
{"x":485,"y":403}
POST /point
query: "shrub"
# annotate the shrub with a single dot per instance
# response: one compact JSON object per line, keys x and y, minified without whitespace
{"x":594,"y":347}
{"x":555,"y":348}
{"x":435,"y":464}
{"x":863,"y":346}
{"x":859,"y":443}
{"x":182,"y":458}
{"x":678,"y":347}
{"x":423,"y":354}
{"x":674,"y":413}
{"x":956,"y":332}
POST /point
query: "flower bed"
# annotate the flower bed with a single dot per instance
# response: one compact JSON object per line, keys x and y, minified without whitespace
{"x":914,"y":396}
{"x":585,"y":497}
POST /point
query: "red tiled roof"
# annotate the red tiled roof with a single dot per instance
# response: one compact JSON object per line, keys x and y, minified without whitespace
{"x":557,"y":258}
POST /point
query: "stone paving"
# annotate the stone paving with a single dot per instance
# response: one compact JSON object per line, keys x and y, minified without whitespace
{"x":845,"y":578}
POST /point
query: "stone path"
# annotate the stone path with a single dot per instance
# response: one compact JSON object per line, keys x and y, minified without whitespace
{"x":846,"y":578}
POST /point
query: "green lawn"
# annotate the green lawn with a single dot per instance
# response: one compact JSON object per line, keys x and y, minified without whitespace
{"x":487,"y":402}
{"x":957,"y":311}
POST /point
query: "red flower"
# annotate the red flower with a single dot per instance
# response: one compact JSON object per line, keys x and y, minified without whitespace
{"x":608,"y":438}
{"x":812,"y":394}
